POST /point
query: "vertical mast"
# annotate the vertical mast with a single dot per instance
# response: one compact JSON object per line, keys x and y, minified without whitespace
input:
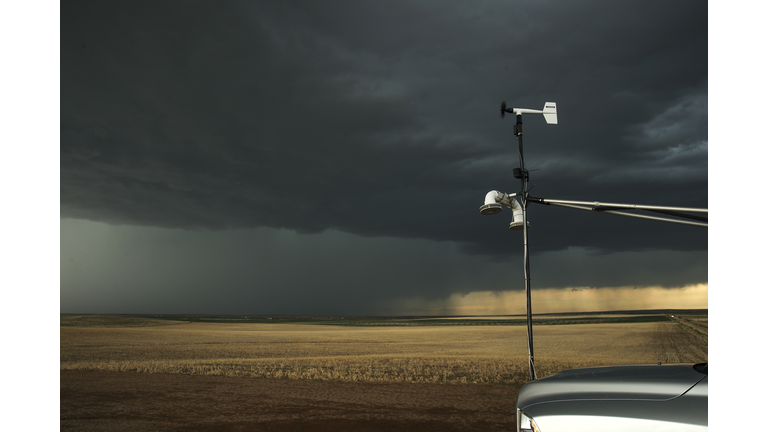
{"x":526,"y":263}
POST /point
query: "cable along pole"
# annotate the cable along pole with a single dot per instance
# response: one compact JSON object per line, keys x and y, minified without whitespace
{"x":522,"y":174}
{"x":550,"y":115}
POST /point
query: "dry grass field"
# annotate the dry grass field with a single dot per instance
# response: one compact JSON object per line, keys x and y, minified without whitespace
{"x":424,"y":354}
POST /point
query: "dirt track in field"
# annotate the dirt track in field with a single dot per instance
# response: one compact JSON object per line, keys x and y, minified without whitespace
{"x":115,"y":401}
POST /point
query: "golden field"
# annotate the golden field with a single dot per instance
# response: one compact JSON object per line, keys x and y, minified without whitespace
{"x":439,"y":354}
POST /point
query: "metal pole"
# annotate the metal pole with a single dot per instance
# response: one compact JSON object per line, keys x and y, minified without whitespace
{"x":526,"y":262}
{"x":677,"y":221}
{"x":596,"y":205}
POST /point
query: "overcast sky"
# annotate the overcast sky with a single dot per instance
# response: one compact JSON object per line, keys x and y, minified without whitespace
{"x":331,"y":157}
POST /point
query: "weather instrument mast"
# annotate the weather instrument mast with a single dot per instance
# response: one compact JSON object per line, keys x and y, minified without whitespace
{"x":495,"y":201}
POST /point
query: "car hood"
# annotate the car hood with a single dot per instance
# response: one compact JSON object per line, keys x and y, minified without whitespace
{"x":633,"y":382}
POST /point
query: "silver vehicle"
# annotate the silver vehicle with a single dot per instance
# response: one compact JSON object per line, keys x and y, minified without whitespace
{"x":670,"y":397}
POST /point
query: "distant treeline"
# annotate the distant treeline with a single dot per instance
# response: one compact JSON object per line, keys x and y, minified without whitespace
{"x":609,"y":317}
{"x":402,"y":322}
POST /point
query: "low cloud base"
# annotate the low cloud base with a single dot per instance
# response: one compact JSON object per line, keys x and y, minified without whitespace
{"x":558,"y":300}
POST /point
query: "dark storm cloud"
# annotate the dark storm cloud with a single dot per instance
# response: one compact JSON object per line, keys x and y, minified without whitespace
{"x":128,"y":269}
{"x":381,"y":118}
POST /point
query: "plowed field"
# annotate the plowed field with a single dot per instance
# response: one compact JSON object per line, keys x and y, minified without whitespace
{"x":125,"y":401}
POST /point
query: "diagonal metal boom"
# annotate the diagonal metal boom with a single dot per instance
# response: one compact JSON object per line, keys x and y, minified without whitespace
{"x":608,"y":208}
{"x":623,"y":206}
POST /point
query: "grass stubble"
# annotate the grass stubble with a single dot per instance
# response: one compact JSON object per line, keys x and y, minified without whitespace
{"x":425,"y":354}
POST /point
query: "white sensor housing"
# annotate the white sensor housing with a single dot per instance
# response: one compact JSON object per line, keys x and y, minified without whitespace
{"x":494,"y":202}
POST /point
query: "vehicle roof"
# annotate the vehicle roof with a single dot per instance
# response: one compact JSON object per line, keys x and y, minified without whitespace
{"x":629,"y":382}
